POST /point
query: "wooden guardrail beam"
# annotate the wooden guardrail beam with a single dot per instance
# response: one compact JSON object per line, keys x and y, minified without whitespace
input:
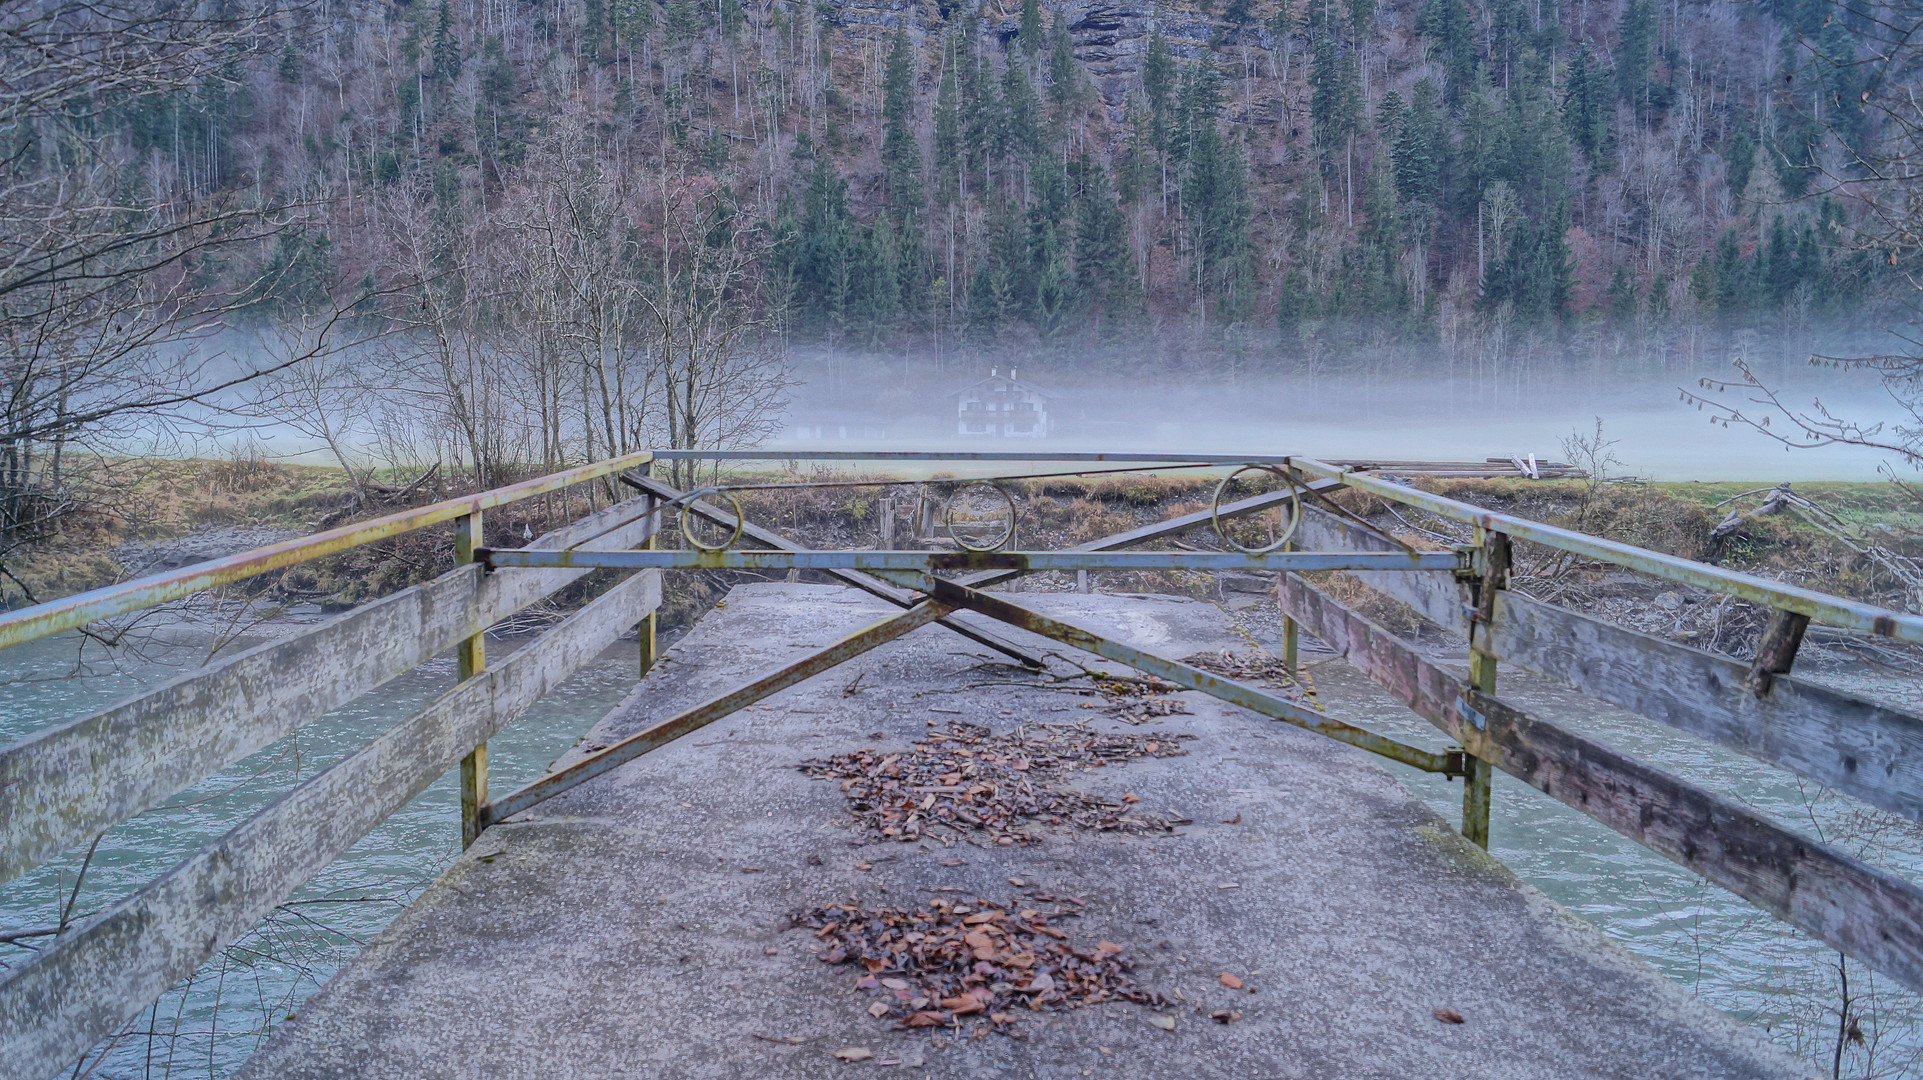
{"x":1849,"y":743}
{"x":68,"y":782}
{"x":1871,"y":915}
{"x":80,"y":609}
{"x":95,"y":978}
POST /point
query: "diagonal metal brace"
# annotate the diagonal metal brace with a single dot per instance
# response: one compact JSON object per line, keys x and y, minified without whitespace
{"x":1193,"y":678}
{"x":665,"y":732}
{"x":760,"y":535}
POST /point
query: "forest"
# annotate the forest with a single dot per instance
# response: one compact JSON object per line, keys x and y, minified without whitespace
{"x":501,"y":233}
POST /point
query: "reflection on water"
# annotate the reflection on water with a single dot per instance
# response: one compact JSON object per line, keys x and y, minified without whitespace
{"x":1734,"y":956}
{"x":212,"y":1023}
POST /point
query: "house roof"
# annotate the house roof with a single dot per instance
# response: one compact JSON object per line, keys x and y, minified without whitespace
{"x":1023,"y":383}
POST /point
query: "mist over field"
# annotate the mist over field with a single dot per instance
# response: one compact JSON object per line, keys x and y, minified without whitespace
{"x":1413,"y":410}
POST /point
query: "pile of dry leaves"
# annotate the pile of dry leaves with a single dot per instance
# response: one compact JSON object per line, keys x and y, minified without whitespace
{"x":947,"y":962}
{"x":964,"y":780}
{"x":1252,"y":669}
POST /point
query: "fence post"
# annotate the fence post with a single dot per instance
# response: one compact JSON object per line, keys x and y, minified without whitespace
{"x":1482,"y":675}
{"x":644,"y":633}
{"x":1291,"y":633}
{"x":472,"y":655}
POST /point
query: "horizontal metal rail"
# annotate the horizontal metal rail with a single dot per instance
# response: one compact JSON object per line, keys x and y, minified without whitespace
{"x":1819,"y":606}
{"x":875,"y":561}
{"x":80,"y":609}
{"x":1468,"y":467}
{"x":770,"y":539}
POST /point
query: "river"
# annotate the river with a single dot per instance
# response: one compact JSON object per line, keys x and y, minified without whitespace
{"x":1734,"y":956}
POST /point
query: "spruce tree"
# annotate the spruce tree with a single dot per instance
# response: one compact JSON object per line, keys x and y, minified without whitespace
{"x":447,"y":50}
{"x":1105,"y":277}
{"x":1218,"y":212}
{"x":1446,"y":23}
{"x":1636,"y":52}
{"x":1064,"y":74}
{"x":1293,"y":307}
{"x":950,"y":151}
{"x":632,"y":20}
{"x":1622,"y":297}
{"x":596,"y":11}
{"x":1335,"y":105}
{"x":1050,"y":243}
{"x":1587,"y":105}
{"x":1031,"y":28}
{"x":900,"y":154}
{"x":1018,"y":137}
{"x":1739,"y":160}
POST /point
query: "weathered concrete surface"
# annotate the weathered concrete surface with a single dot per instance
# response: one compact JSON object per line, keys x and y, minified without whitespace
{"x":637,"y":926}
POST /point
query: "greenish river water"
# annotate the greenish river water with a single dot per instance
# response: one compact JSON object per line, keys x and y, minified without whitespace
{"x":1734,"y":956}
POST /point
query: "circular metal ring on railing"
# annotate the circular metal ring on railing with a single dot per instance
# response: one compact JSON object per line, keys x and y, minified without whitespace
{"x":948,"y":516}
{"x":687,"y":518}
{"x":1295,"y":508}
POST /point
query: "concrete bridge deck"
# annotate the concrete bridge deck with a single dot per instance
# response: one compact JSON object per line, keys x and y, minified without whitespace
{"x":639,"y":926}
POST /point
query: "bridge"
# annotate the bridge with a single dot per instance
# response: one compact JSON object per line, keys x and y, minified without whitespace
{"x":648,"y":906}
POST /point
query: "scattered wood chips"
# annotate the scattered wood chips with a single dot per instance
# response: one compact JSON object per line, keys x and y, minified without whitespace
{"x":963,"y":781}
{"x":951,"y":963}
{"x":1255,"y":669}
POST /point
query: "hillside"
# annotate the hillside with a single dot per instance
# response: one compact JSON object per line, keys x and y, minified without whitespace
{"x":1445,"y":171}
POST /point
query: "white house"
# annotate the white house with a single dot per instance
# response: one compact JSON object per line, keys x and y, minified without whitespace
{"x":1002,"y":406}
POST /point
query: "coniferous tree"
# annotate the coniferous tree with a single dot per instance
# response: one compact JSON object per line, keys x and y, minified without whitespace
{"x":1420,"y":155}
{"x":900,"y":154}
{"x":950,"y":151}
{"x":1293,"y":307}
{"x":1587,"y":105}
{"x":681,"y":20}
{"x":596,"y":12}
{"x":1379,"y":294}
{"x":1335,"y":108}
{"x":1781,"y":268}
{"x":1218,"y":211}
{"x":819,"y":261}
{"x":1447,"y":24}
{"x":980,"y":118}
{"x":1636,"y":53}
{"x":1018,"y":137}
{"x":1622,"y":297}
{"x":1739,"y":160}
{"x":1105,"y":278}
{"x":447,"y":50}
{"x":1052,"y":291}
{"x":1158,"y":74}
{"x":1030,"y":28}
{"x":632,"y":20}
{"x":1064,"y":74}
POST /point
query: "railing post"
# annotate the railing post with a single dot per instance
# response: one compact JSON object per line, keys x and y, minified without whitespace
{"x":1291,"y":633}
{"x":644,"y":632}
{"x":1482,"y":675}
{"x":472,"y":655}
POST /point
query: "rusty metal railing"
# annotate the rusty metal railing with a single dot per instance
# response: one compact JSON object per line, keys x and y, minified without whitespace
{"x":1824,"y":608}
